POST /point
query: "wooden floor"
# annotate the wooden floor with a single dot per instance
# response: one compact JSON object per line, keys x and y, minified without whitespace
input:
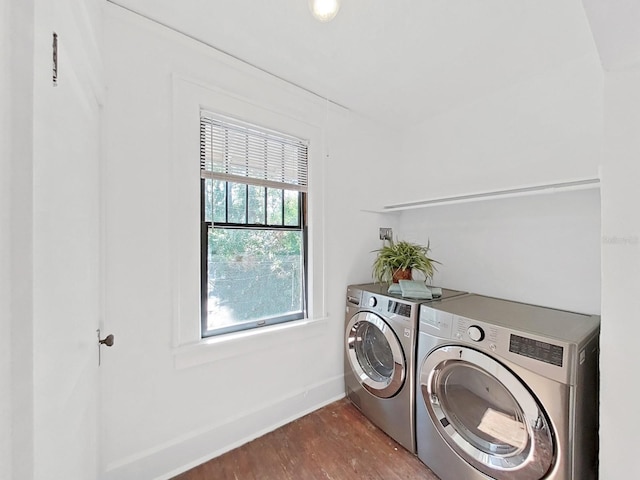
{"x":336,"y":442}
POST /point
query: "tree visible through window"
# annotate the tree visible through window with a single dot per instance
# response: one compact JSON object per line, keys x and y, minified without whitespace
{"x":253,"y":191}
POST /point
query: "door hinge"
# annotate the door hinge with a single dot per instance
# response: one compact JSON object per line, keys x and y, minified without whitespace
{"x":55,"y":59}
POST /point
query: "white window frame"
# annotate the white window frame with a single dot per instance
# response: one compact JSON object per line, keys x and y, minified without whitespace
{"x":279,"y":110}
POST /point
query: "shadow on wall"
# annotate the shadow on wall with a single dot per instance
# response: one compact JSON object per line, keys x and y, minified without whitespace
{"x":542,"y":249}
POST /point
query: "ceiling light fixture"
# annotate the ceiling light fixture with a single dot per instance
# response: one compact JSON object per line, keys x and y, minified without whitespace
{"x":324,"y":10}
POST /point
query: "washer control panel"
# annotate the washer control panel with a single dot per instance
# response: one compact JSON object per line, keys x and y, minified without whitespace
{"x":388,"y":306}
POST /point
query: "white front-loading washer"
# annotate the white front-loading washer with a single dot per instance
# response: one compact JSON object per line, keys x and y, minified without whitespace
{"x":379,"y":361}
{"x":506,"y":391}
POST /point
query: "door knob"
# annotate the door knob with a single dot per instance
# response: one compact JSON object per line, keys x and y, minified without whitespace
{"x":108,"y":341}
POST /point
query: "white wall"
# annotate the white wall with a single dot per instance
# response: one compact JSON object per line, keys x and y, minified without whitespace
{"x":168,"y":405}
{"x":620,"y":277}
{"x":615,"y":29}
{"x":18,"y":233}
{"x":5,"y":245}
{"x":542,"y":130}
{"x":541,"y":249}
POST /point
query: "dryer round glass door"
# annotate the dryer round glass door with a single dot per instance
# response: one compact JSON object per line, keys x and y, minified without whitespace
{"x":375,"y":354}
{"x":486,"y":414}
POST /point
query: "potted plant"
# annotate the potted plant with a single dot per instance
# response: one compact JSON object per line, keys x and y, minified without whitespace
{"x":397,"y":260}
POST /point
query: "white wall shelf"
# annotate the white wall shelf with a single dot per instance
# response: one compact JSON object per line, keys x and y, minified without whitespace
{"x":581,"y":184}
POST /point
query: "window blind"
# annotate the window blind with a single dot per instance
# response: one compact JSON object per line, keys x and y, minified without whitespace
{"x":238,"y":152}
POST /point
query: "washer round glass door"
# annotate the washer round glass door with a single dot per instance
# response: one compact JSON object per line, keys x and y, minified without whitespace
{"x":486,"y":414}
{"x":375,"y":354}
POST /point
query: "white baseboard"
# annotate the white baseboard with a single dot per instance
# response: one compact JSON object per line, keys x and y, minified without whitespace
{"x":168,"y":460}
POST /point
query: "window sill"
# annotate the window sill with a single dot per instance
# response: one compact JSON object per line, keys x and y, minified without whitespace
{"x":231,"y":345}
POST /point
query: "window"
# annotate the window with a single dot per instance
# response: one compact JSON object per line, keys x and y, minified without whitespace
{"x":253,"y":187}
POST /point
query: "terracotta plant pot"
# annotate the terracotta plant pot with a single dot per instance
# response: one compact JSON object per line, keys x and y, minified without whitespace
{"x":402,"y":274}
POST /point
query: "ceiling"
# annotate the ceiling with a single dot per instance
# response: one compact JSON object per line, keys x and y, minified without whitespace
{"x":396,"y":61}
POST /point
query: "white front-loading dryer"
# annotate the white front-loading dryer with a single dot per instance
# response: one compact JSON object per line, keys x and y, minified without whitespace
{"x":379,"y":360}
{"x":506,"y":391}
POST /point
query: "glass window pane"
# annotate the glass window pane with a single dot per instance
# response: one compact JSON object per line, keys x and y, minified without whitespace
{"x":291,"y":208}
{"x":253,"y":275}
{"x":257,"y":205}
{"x":274,"y":206}
{"x":218,"y":200}
{"x":237,"y":198}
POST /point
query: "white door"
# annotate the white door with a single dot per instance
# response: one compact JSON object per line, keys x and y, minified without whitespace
{"x":66,"y":240}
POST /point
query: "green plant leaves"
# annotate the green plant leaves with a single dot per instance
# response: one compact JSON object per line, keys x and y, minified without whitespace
{"x":402,"y":255}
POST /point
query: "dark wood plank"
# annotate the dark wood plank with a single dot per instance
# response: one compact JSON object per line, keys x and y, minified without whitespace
{"x":335,"y":442}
